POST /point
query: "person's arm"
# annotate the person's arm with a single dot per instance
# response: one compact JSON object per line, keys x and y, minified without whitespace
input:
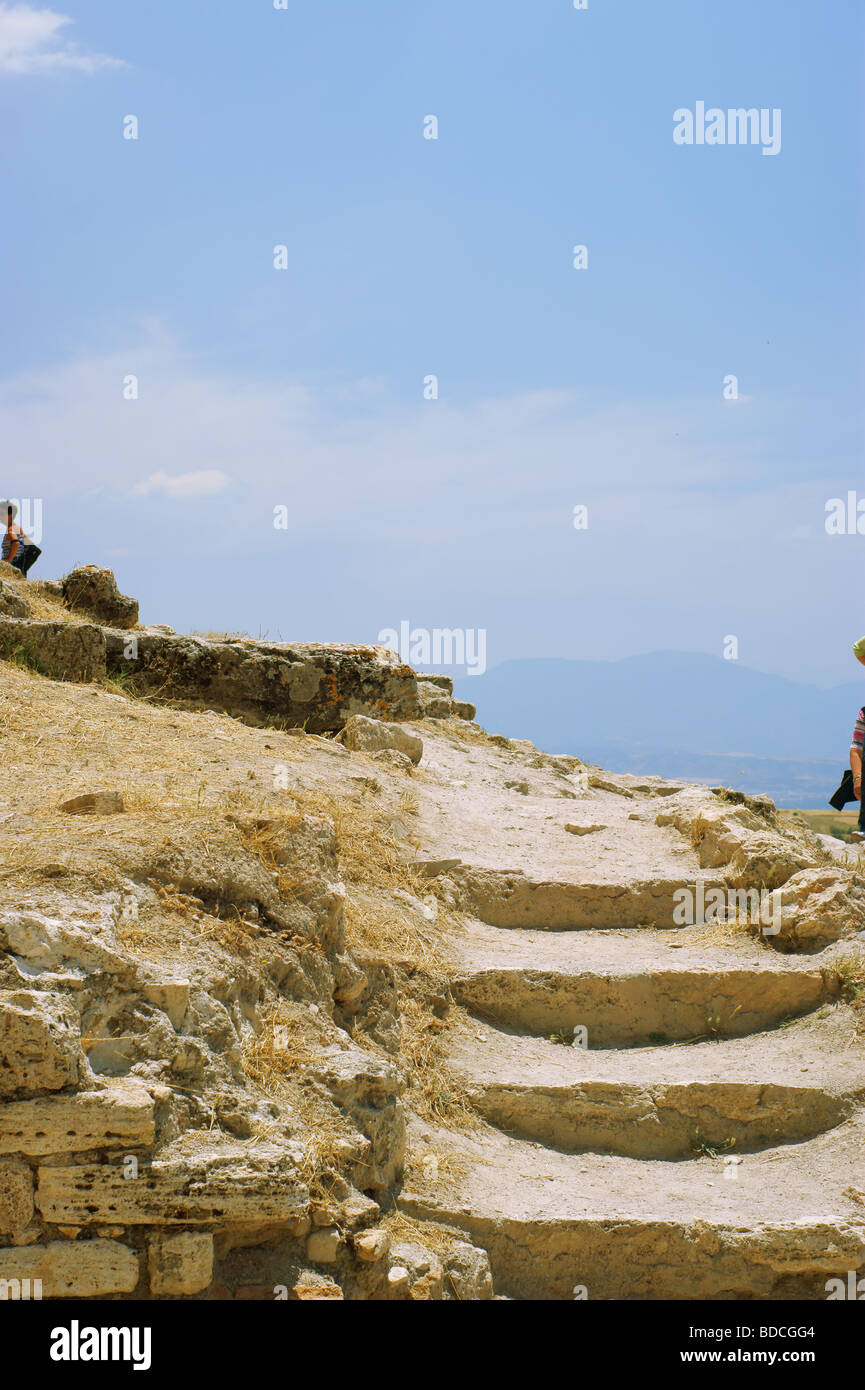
{"x":856,"y":754}
{"x":13,"y":544}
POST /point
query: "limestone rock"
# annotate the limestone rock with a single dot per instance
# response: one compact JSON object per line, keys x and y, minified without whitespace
{"x":398,"y":1280}
{"x":322,"y":1246}
{"x":464,"y":710}
{"x":739,"y":837}
{"x":444,"y":683}
{"x":424,"y":1268}
{"x":85,"y":1269}
{"x":816,"y":907}
{"x":225,"y":873}
{"x":120,"y":1117}
{"x":434,"y":702}
{"x":243,"y":1187}
{"x":172,"y":996}
{"x":316,"y":685}
{"x":428,"y":910}
{"x":372,"y":1246}
{"x":367,"y":1088}
{"x":94,"y":590}
{"x":48,"y":942}
{"x":40,"y":1043}
{"x":390,"y":757}
{"x":93,"y":804}
{"x":16,"y":1197}
{"x":313,"y":1288}
{"x":12,"y":604}
{"x":69,"y":651}
{"x":840,"y":850}
{"x":364,"y":735}
{"x":467,"y":1273}
{"x":351,"y":982}
{"x":181,"y":1264}
{"x":435,"y":694}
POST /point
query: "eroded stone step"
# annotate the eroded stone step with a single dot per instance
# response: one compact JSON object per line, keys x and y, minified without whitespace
{"x":664,"y":1102}
{"x":790,"y":1220}
{"x":624,"y":1008}
{"x":506,"y":898}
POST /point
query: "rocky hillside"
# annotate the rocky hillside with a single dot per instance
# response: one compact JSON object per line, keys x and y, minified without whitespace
{"x":312,"y":989}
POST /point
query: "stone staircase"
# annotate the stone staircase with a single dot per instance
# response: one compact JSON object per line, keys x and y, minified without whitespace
{"x":669,"y":1112}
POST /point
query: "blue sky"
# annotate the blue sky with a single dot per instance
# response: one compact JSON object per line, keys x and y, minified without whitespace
{"x":557,"y":387}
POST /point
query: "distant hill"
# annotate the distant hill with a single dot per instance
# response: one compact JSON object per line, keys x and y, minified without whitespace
{"x":677,"y":714}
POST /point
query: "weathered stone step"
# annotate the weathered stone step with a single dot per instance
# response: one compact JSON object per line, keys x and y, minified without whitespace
{"x":511,"y":898}
{"x":789,"y":1221}
{"x":664,"y":1102}
{"x":621,"y":1008}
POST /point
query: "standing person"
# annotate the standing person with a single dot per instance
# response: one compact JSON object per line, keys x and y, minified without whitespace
{"x":857,"y":744}
{"x":18,"y":549}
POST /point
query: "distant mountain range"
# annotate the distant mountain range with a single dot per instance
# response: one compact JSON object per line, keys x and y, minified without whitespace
{"x":678,"y":714}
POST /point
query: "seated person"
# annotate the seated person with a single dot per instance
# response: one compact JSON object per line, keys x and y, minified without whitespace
{"x":18,"y":549}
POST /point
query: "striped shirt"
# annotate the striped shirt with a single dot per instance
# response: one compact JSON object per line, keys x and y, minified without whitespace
{"x":859,"y":732}
{"x":13,"y":534}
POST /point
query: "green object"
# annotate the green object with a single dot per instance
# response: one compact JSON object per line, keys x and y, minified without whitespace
{"x":859,"y":649}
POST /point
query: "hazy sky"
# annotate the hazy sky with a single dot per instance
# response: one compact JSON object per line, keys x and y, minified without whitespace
{"x":258,"y":387}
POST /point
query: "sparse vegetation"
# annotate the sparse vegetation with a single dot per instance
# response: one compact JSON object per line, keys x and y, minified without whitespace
{"x":701,"y":1147}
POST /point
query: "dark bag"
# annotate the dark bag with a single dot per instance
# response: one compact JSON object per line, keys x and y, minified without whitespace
{"x":844,"y":792}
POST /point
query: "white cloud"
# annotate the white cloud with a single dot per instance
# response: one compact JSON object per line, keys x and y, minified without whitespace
{"x":200,"y":484}
{"x":31,"y":43}
{"x":342,"y":457}
{"x":463,"y":506}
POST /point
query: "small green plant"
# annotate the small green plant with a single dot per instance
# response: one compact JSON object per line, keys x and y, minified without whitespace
{"x":850,"y":973}
{"x":658,"y":1039}
{"x":119,"y":681}
{"x":561,"y":1037}
{"x":715,"y":1025}
{"x":702,"y":1147}
{"x":19,"y":655}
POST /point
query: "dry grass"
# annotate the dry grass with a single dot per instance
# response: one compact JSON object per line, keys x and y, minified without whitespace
{"x":372,"y":861}
{"x":433,"y":1236}
{"x":43,"y":604}
{"x":723,"y":931}
{"x":382,"y":928}
{"x":429,"y":1168}
{"x":178,"y":769}
{"x":462,"y":731}
{"x":289,"y":1042}
{"x":699,"y":827}
{"x":434,"y":1091}
{"x":850,"y":971}
{"x":265,"y":837}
